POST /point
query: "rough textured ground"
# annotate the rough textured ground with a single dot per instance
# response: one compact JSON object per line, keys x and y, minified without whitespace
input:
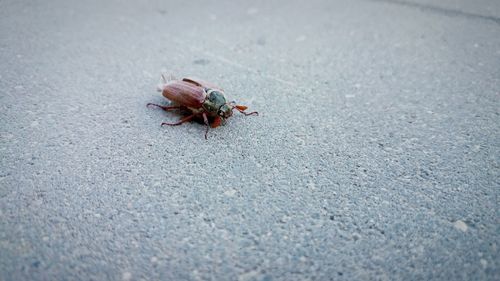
{"x":375,"y":157}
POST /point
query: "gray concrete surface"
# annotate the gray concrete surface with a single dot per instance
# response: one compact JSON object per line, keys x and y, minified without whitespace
{"x":375,"y":157}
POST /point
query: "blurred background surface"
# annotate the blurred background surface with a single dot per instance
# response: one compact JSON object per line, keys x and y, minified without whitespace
{"x":375,"y":155}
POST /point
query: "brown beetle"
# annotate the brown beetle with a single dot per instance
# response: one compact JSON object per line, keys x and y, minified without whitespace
{"x":201,"y":98}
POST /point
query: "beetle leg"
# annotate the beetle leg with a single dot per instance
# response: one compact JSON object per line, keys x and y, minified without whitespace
{"x":183,"y":120}
{"x":166,"y":108}
{"x":205,"y":119}
{"x":246,"y":113}
{"x":217,"y":121}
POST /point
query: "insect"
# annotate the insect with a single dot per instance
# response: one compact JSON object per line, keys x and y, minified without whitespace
{"x":201,"y":99}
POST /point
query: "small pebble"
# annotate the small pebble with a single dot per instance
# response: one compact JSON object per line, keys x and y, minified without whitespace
{"x":484,"y":263}
{"x":230,"y":193}
{"x":126,"y":276}
{"x":460,"y":225}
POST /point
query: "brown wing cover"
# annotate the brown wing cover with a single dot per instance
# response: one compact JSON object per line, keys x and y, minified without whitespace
{"x":184,"y":93}
{"x":202,"y":83}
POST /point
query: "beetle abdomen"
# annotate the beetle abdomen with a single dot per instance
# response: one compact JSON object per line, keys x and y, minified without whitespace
{"x":184,"y":93}
{"x":201,"y":83}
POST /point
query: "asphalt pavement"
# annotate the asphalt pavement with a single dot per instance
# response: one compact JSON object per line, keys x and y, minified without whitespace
{"x":375,"y":155}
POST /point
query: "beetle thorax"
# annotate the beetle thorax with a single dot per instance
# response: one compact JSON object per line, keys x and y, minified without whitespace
{"x":215,"y":104}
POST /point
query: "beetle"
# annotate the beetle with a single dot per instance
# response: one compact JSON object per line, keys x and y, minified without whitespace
{"x":202,"y":99}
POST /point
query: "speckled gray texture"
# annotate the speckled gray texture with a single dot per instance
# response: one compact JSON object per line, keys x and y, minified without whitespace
{"x":375,"y":155}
